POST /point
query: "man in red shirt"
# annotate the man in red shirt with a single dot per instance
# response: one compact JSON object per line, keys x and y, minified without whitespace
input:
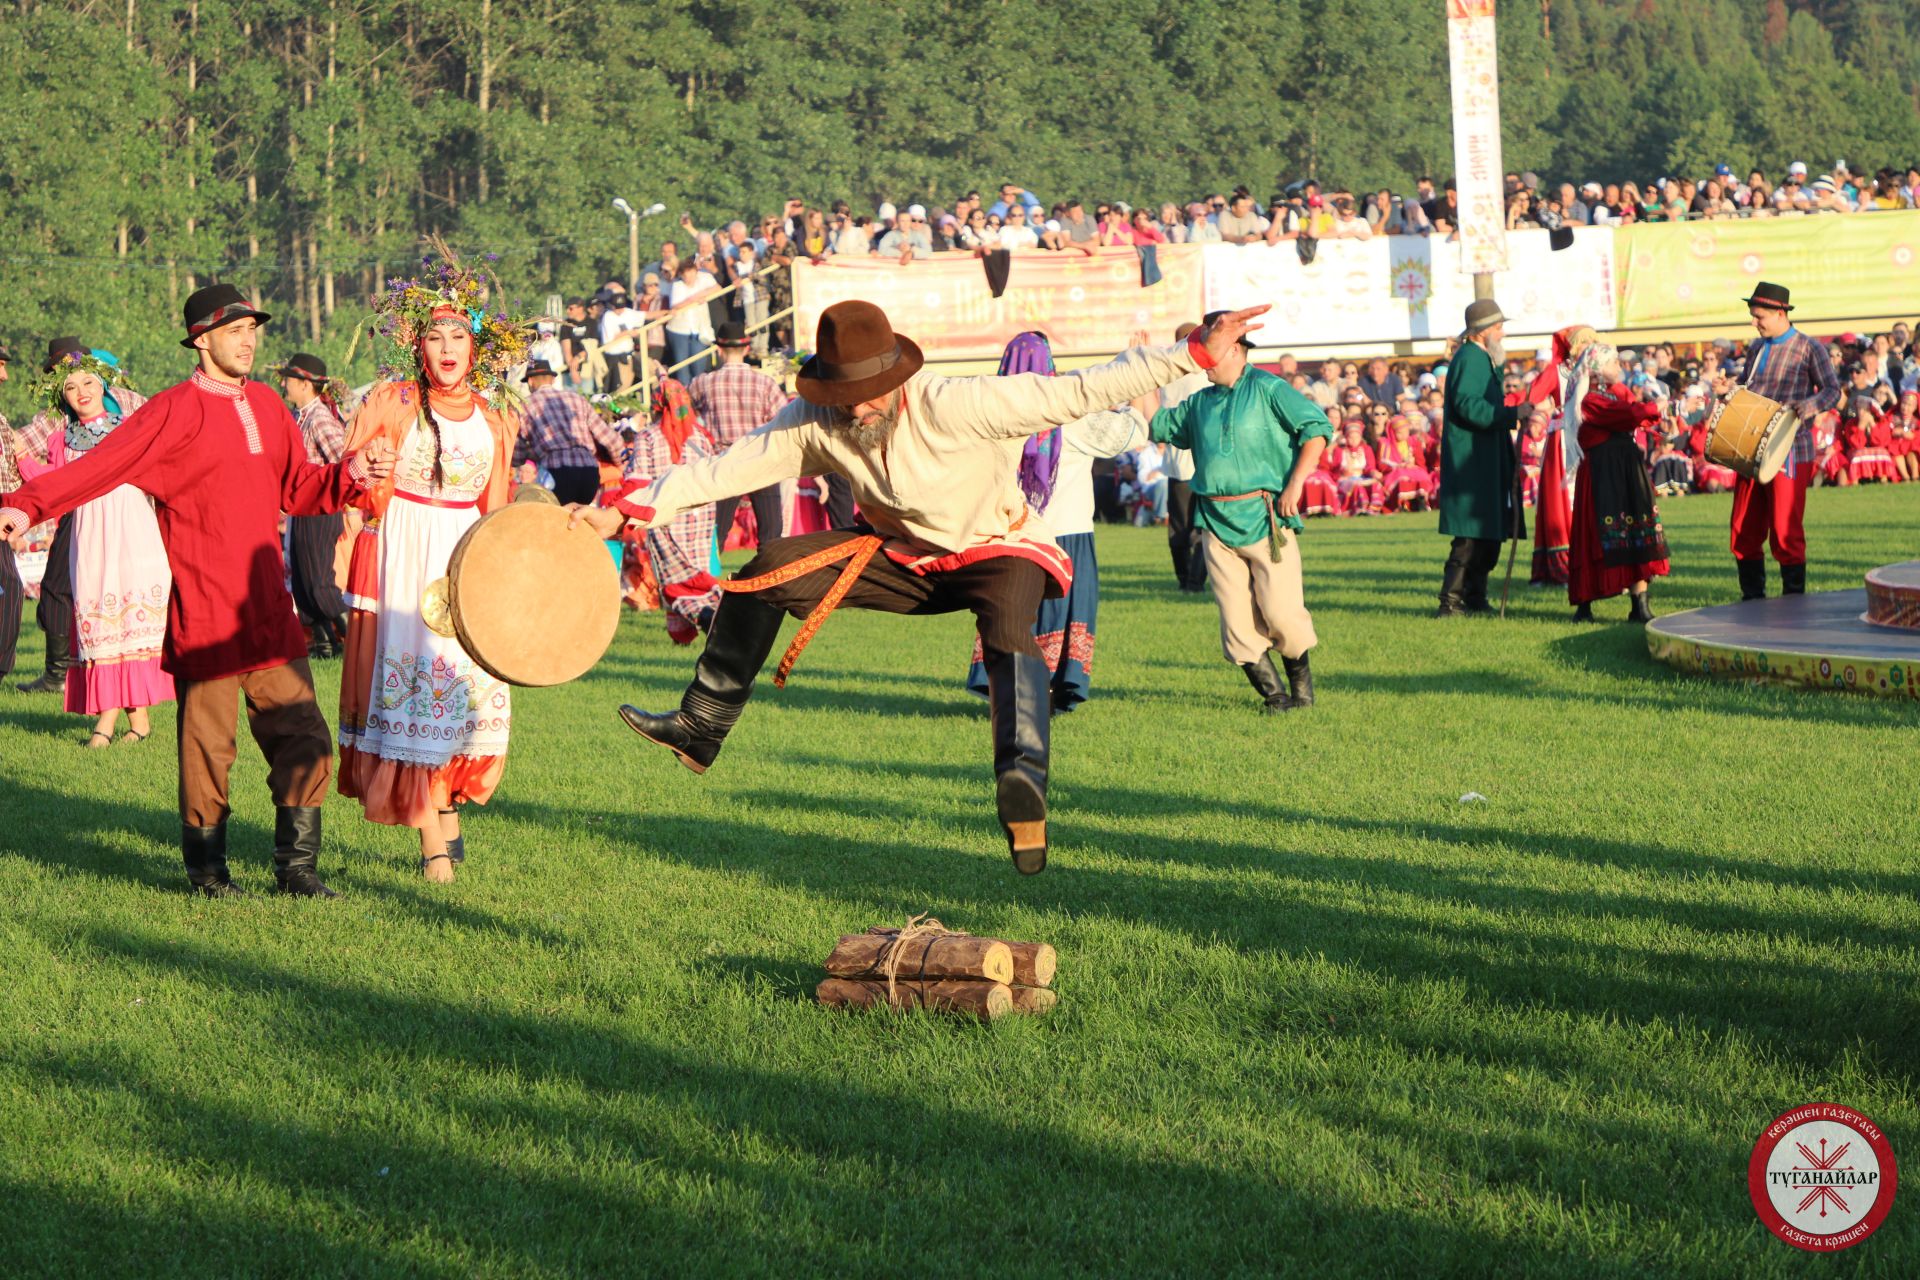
{"x":221,"y":457}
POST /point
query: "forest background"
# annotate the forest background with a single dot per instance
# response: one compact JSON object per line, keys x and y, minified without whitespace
{"x":304,"y":150}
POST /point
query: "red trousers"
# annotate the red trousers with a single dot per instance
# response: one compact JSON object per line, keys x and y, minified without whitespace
{"x":1771,"y":512}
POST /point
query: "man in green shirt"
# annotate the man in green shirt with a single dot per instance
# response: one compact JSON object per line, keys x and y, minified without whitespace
{"x":1254,"y":441}
{"x":1478,"y":506}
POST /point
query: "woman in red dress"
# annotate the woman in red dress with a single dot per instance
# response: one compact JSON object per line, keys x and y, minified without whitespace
{"x":1868,"y":441}
{"x":1618,"y":543}
{"x":1903,"y":433}
{"x":1408,"y":485}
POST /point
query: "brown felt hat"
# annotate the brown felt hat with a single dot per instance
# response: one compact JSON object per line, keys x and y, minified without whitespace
{"x":857,"y":356}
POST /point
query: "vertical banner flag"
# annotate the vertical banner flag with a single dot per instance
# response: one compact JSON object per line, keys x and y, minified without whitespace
{"x":1473,"y":56}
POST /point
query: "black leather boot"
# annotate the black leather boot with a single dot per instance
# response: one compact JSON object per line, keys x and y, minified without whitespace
{"x":1453,"y":591}
{"x":1641,"y":611}
{"x":1583,"y":612}
{"x":1753,"y":579}
{"x":1266,"y":682}
{"x":1793,"y":579}
{"x":1300,"y":676}
{"x":1020,"y":700}
{"x":59,"y":657}
{"x":204,"y":851}
{"x":296,"y":853}
{"x":743,"y":633}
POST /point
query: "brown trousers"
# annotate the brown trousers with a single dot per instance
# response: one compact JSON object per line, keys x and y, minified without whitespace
{"x":285,"y":720}
{"x":1262,"y":603}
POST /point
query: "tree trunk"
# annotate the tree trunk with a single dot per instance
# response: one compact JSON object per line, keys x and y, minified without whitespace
{"x":299,"y":271}
{"x":983,"y":1000}
{"x":933,"y":956}
{"x":485,"y":97}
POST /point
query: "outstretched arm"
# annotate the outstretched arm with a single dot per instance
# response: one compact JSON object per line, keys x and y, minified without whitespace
{"x":773,"y":453}
{"x":1026,"y":404}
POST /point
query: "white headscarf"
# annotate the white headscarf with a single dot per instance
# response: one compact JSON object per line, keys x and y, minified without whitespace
{"x":1598,"y":357}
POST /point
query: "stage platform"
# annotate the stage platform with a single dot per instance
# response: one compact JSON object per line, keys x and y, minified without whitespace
{"x":1818,"y":641}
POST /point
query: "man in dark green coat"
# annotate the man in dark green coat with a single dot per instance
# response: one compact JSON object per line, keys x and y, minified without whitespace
{"x":1478,"y":506}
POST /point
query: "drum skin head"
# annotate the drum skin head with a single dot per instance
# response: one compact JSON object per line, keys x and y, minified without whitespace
{"x":528,"y":491}
{"x":534,"y":602}
{"x":1774,"y":450}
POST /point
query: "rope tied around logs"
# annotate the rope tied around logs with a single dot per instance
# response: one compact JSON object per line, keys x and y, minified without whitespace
{"x":920,"y":927}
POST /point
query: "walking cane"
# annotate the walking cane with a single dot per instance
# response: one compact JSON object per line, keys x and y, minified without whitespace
{"x":1513,"y":545}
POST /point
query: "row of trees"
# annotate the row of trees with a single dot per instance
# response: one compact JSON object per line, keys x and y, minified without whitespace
{"x":303,"y":148}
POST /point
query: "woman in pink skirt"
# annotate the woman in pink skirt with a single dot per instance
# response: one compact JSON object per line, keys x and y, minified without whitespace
{"x":121,"y":579}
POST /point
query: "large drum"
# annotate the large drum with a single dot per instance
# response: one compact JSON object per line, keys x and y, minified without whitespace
{"x":1751,"y":435}
{"x":534,"y":602}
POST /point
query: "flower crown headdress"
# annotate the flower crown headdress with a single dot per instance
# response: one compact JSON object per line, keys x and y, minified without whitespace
{"x":445,"y":287}
{"x":49,"y":389}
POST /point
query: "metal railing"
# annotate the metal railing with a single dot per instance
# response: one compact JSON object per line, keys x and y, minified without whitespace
{"x":645,"y":371}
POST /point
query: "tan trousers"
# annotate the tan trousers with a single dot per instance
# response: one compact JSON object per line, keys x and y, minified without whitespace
{"x":285,"y":720}
{"x":1261,"y":602}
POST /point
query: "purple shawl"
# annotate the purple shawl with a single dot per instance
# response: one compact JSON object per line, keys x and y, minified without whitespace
{"x":1040,"y":460}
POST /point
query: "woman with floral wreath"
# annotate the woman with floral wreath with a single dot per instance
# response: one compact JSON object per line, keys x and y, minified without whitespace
{"x":121,"y":578}
{"x":423,"y":728}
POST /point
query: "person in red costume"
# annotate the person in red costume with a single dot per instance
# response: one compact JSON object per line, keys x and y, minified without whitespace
{"x":1618,"y":543}
{"x":221,"y":458}
{"x":1560,"y":457}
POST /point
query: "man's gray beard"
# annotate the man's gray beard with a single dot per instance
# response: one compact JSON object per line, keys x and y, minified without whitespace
{"x":840,"y":421}
{"x":1497,"y":352}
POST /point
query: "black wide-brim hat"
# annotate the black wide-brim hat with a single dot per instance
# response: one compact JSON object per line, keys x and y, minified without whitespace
{"x":59,"y":348}
{"x":217,"y":304}
{"x":305,"y":365}
{"x":1769,"y":295}
{"x":731,"y":333}
{"x":857,"y":356}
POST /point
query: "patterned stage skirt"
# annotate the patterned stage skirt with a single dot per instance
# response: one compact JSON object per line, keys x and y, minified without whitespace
{"x":1065,"y":630}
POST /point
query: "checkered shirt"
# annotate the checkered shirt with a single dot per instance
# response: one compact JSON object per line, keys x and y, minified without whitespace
{"x":681,"y":549}
{"x":320,"y":428}
{"x":36,"y":433}
{"x":560,"y":429}
{"x":1794,"y":370}
{"x":734,"y":400}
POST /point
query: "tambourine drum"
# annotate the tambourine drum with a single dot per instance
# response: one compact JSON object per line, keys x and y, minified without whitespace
{"x":528,"y":491}
{"x":1751,"y":435}
{"x":534,"y":602}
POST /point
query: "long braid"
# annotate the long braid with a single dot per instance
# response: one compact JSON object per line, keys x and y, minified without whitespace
{"x":427,"y":414}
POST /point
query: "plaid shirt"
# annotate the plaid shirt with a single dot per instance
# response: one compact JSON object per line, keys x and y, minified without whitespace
{"x":1794,"y":370}
{"x":36,"y":433}
{"x":734,"y":400}
{"x":682,"y":549}
{"x":560,"y":429}
{"x":320,"y":427}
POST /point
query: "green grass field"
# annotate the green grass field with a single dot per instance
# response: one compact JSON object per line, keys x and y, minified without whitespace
{"x":1318,"y":1017}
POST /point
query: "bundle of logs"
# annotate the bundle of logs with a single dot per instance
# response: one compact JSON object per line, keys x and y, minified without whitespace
{"x":926,"y":966}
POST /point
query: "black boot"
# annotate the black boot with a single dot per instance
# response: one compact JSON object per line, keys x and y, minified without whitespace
{"x":59,"y":657}
{"x":1640,"y":612}
{"x":204,"y":851}
{"x":1583,"y":612}
{"x":1793,"y":579}
{"x":1018,"y":698}
{"x":1266,"y":682}
{"x":296,"y":853}
{"x":1301,"y":678}
{"x":1453,"y":591}
{"x":743,"y":633}
{"x":1753,"y":579}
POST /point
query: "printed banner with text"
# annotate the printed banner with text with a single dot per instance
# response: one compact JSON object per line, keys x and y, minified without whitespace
{"x":1838,"y":266}
{"x":1398,"y":288}
{"x":1085,"y":305}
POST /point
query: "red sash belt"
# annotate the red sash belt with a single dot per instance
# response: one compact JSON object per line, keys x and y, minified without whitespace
{"x":437,"y":502}
{"x":855,"y":551}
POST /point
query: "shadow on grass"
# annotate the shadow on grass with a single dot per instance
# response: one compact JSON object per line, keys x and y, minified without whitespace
{"x":67,"y":835}
{"x":615,"y":1140}
{"x":1796,"y":1008}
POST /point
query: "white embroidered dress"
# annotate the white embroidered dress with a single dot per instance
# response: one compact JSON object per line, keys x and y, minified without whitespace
{"x":430,"y":702}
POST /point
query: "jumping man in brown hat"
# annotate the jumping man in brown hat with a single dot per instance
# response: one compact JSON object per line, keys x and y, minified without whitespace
{"x":933,"y":463}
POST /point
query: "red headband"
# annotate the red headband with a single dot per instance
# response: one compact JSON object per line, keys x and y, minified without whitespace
{"x":232,"y":311}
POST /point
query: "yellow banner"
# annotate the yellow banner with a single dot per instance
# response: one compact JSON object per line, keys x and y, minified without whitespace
{"x":1842,"y":267}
